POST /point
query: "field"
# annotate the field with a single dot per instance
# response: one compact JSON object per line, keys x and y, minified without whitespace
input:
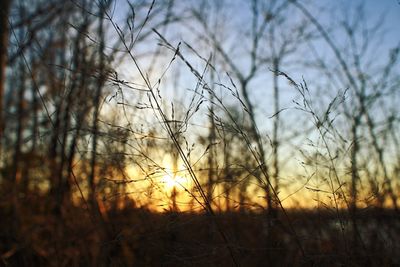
{"x":139,"y":237}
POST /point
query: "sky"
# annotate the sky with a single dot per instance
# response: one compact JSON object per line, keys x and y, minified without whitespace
{"x":236,"y":22}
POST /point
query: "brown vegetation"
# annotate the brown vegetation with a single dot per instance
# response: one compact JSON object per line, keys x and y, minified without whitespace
{"x":169,"y":133}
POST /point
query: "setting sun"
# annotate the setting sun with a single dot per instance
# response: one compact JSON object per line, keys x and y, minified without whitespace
{"x":170,"y":182}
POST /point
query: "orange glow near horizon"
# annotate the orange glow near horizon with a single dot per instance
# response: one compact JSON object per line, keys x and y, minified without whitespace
{"x":170,"y":188}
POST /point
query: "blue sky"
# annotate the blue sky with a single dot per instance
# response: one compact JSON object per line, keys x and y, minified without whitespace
{"x":178,"y":83}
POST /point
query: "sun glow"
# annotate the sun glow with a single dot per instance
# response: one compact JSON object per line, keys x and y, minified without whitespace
{"x":171,"y":182}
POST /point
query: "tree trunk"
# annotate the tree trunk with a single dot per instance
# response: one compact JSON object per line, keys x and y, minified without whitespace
{"x":4,"y":12}
{"x":211,"y":154}
{"x":275,"y":141}
{"x":354,"y":176}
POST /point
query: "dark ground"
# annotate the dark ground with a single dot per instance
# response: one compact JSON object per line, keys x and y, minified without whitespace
{"x":138,"y":237}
